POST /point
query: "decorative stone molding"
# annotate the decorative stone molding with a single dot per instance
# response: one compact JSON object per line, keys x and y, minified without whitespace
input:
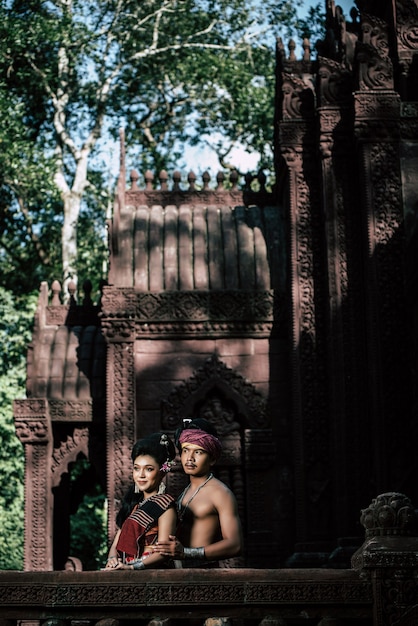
{"x":406,"y":29}
{"x":377,"y":116}
{"x":186,"y":312}
{"x":68,"y":452}
{"x":71,"y":410}
{"x":121,"y":425}
{"x":335,"y":83}
{"x":197,"y":593}
{"x":375,"y":71}
{"x":214,"y":374}
{"x":298,"y":98}
{"x":32,"y":421}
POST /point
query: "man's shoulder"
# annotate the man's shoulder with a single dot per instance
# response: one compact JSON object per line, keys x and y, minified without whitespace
{"x":220,"y":487}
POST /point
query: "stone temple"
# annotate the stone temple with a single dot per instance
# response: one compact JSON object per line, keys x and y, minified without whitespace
{"x":286,"y":314}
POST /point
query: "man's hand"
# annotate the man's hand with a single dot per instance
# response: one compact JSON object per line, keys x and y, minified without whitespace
{"x":172,"y":548}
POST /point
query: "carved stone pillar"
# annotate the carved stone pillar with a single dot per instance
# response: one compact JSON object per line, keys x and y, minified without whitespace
{"x":308,"y":303}
{"x":336,"y":150}
{"x":389,"y":559}
{"x":343,"y":231}
{"x":119,"y":330}
{"x":377,"y":124}
{"x":33,"y":427}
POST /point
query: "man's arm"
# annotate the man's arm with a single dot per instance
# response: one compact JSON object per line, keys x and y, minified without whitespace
{"x":231,"y":543}
{"x":230,"y":526}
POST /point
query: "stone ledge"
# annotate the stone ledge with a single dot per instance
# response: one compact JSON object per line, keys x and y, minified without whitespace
{"x":181,"y":593}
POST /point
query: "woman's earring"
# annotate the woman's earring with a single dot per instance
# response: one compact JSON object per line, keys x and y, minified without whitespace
{"x":136,"y":490}
{"x":161,"y":488}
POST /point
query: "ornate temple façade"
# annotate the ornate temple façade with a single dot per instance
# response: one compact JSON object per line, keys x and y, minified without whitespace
{"x":285,"y":316}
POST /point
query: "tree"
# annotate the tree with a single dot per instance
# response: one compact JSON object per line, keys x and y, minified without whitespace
{"x":16,"y":317}
{"x":169,"y":70}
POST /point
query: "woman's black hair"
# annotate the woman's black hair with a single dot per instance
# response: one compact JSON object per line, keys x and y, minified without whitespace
{"x":199,"y":423}
{"x":161,"y":448}
{"x":157,"y":445}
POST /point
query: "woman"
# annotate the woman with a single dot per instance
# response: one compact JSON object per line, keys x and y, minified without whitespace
{"x":147,"y":514}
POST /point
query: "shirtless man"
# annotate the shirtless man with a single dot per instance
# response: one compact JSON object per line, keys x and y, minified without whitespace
{"x":208,"y":528}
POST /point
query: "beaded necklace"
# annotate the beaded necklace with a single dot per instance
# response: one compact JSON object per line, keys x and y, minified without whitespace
{"x":182,"y":509}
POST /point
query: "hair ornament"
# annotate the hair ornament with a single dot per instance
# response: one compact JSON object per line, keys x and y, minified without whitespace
{"x":164,"y":440}
{"x":167,"y":465}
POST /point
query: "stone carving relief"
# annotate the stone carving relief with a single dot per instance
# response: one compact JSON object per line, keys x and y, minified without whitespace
{"x":407,"y":27}
{"x":174,"y":312}
{"x":335,"y":83}
{"x":298,"y":97}
{"x":68,"y":451}
{"x":216,"y":375}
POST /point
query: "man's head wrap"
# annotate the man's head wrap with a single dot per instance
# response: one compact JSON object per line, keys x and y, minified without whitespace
{"x":200,"y":438}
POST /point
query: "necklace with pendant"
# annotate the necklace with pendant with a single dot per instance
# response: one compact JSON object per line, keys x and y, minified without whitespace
{"x":182,"y":509}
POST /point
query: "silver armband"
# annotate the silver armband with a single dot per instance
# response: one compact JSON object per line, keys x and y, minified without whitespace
{"x":138,"y":564}
{"x":194,"y":553}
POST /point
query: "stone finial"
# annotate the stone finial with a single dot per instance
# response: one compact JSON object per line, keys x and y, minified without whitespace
{"x":292,"y":48}
{"x":149,"y":179}
{"x":206,"y":180}
{"x":134,"y":177}
{"x":191,"y":179}
{"x":56,"y":291}
{"x":233,"y":179}
{"x":176,"y":180}
{"x":389,"y":514}
{"x":163,"y":178}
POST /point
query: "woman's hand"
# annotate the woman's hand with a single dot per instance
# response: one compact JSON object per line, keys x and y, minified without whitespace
{"x":112,"y":563}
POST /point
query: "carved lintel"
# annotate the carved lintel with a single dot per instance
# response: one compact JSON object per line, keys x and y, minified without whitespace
{"x":377,"y":115}
{"x":71,"y":410}
{"x":118,"y":301}
{"x":119,"y":330}
{"x":189,"y":312}
{"x":32,"y":421}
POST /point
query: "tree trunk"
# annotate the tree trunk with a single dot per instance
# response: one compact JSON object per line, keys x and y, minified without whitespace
{"x":72,"y":205}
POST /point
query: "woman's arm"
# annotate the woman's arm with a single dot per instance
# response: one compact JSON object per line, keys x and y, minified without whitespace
{"x":166,"y":526}
{"x":112,"y":557}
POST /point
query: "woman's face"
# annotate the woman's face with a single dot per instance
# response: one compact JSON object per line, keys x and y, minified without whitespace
{"x":146,"y":474}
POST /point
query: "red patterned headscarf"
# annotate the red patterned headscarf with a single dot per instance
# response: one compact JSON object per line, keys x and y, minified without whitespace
{"x":204,"y":440}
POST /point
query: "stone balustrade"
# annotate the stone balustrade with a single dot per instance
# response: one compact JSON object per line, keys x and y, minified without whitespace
{"x":381,"y":588}
{"x":251,"y":596}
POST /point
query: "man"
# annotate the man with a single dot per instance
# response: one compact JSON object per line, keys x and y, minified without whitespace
{"x":208,"y":527}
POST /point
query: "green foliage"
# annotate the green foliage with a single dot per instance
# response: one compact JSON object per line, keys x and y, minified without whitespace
{"x":172,"y":72}
{"x":11,"y":476}
{"x":16,"y":318}
{"x":88,"y":523}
